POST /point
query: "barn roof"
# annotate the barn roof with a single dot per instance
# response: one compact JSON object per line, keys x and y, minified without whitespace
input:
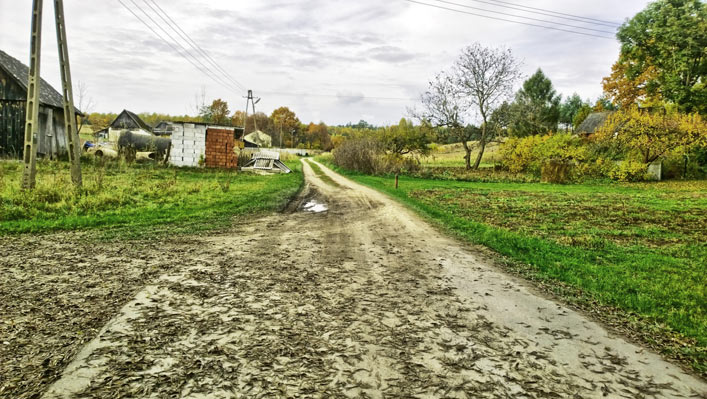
{"x":593,"y":122}
{"x":20,"y":72}
{"x":135,"y":118}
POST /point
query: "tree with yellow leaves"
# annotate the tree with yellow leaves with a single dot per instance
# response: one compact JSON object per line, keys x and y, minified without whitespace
{"x":654,"y":134}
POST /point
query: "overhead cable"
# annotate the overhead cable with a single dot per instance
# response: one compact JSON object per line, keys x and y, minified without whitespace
{"x":510,"y":20}
{"x":184,"y":35}
{"x":352,"y":96}
{"x":520,"y":16}
{"x":186,"y":51}
{"x":594,"y":20}
{"x":206,"y":72}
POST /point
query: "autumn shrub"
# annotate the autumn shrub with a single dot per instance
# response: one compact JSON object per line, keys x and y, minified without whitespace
{"x":367,"y":154}
{"x":556,"y":172}
{"x":552,"y":156}
{"x":518,"y":154}
{"x":394,"y":163}
{"x":361,"y":154}
{"x":653,"y":135}
{"x":630,"y":171}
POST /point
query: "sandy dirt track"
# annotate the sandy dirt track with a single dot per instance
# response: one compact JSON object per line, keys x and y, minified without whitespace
{"x":364,"y":300}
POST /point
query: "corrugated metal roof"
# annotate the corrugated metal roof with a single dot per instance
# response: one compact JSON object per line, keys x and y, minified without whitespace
{"x":47,"y":94}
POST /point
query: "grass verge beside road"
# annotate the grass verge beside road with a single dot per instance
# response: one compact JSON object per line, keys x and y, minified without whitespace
{"x":640,"y":249}
{"x":137,"y":200}
{"x":321,"y":175}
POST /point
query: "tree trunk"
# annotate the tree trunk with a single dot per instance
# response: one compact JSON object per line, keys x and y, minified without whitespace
{"x":482,"y":147}
{"x":467,"y":157}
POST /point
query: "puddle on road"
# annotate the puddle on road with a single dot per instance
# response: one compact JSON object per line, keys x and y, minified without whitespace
{"x":315,"y":207}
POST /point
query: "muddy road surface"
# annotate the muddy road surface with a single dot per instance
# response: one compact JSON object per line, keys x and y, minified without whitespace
{"x":344,"y":295}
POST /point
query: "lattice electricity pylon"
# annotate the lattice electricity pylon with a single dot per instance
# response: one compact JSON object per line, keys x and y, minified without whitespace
{"x":250,"y":100}
{"x":33,"y":102}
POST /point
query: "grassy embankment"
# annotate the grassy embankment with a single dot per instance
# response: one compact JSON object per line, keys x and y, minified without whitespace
{"x":638,"y":248}
{"x":138,"y":200}
{"x":321,"y":175}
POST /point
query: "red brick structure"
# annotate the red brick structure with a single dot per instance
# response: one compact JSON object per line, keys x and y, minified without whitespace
{"x":220,"y":149}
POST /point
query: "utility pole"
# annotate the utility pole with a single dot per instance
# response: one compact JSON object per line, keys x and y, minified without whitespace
{"x":250,"y":100}
{"x":33,"y":103}
{"x":67,"y":91}
{"x":32,"y":112}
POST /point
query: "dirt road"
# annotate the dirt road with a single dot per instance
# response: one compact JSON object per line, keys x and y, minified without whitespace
{"x":362,"y":299}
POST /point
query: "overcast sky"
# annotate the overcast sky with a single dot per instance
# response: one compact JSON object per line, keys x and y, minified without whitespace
{"x":328,"y":60}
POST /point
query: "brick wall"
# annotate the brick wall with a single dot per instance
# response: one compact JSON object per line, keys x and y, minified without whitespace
{"x":220,"y":149}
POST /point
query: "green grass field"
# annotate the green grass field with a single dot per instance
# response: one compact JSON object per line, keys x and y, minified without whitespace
{"x":641,"y":248}
{"x":452,"y":156}
{"x":137,"y":200}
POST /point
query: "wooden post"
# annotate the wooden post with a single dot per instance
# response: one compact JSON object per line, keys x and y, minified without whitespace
{"x":72,"y":135}
{"x":396,"y":181}
{"x":33,"y":87}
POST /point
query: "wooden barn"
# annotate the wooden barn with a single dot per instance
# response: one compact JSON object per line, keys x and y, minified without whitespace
{"x":127,"y":121}
{"x":52,"y":141}
{"x":592,"y":124}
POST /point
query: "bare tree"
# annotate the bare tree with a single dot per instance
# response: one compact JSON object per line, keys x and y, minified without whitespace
{"x":443,"y":105}
{"x":485,"y":77}
{"x":200,"y":105}
{"x":85,"y":103}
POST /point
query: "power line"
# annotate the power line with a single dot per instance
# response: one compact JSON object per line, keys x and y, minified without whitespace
{"x":520,"y":16}
{"x":183,"y":48}
{"x":215,"y":78}
{"x":509,"y":20}
{"x":599,"y":21}
{"x":170,"y":44}
{"x":362,"y":97}
{"x":197,"y":47}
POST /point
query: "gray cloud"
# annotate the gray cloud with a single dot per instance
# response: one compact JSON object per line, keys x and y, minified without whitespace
{"x":353,"y":50}
{"x":391,"y":54}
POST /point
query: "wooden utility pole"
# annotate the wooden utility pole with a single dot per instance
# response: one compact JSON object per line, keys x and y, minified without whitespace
{"x":33,"y":102}
{"x":67,"y":91}
{"x":32,"y":111}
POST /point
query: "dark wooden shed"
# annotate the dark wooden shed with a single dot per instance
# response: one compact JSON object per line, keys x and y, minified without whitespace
{"x":13,"y":102}
{"x":593,"y":123}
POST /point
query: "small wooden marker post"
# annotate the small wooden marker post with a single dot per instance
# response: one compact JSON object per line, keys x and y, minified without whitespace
{"x":396,"y":181}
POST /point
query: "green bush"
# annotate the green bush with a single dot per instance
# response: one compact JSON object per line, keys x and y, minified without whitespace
{"x":683,"y":167}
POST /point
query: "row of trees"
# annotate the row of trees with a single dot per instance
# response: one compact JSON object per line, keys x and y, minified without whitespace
{"x":282,"y":124}
{"x":479,"y":86}
{"x":662,"y":61}
{"x":657,"y":85}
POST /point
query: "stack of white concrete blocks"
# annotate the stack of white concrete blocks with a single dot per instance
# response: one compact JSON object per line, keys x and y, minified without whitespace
{"x":188,"y":144}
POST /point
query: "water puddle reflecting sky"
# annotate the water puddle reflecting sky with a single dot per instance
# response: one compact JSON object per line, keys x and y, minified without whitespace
{"x":315,"y":207}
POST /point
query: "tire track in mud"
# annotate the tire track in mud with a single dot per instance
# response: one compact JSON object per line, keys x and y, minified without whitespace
{"x":363,"y":300}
